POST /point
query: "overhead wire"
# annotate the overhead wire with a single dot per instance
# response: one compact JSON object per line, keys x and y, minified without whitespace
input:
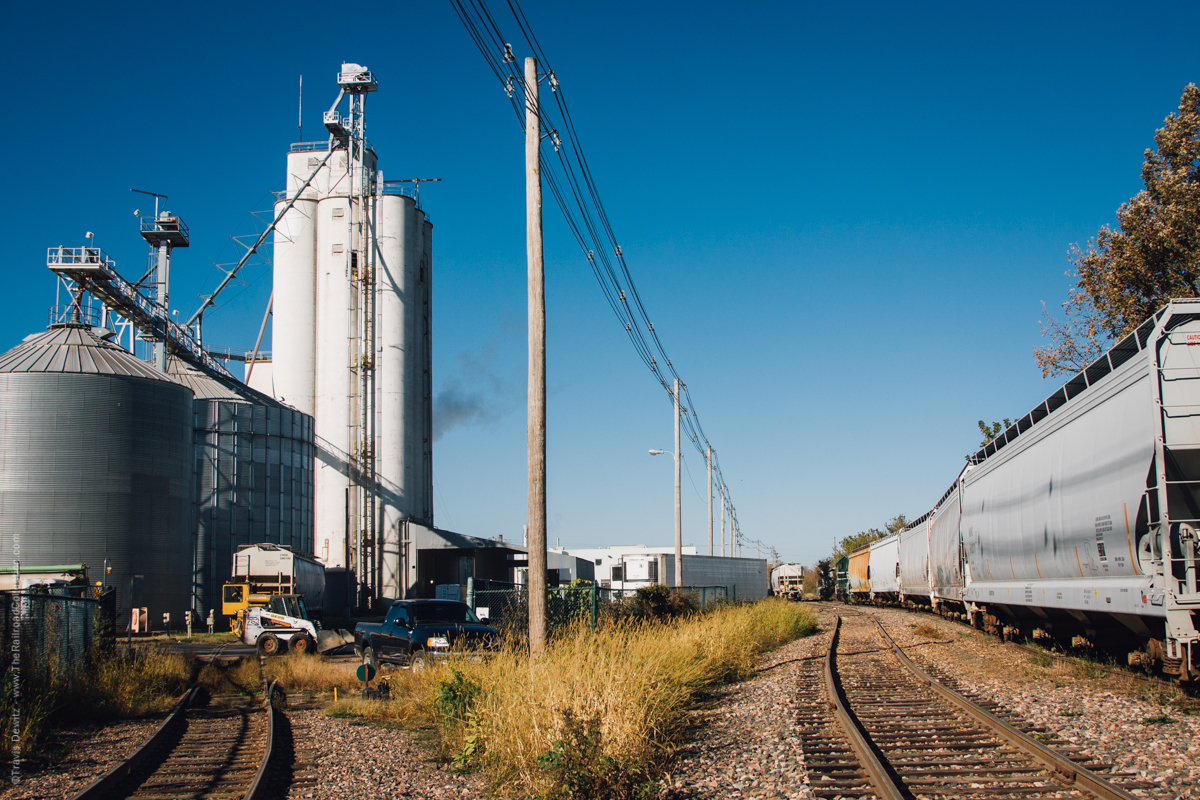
{"x":573,"y":187}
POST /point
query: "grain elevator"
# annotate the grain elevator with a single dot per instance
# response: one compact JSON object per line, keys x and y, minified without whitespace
{"x":129,"y":447}
{"x":351,"y":343}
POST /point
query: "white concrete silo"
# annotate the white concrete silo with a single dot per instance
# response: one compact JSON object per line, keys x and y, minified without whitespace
{"x":403,"y":388}
{"x":293,"y":357}
{"x":351,"y":331}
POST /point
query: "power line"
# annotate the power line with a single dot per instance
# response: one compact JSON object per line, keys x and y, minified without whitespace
{"x":573,"y":187}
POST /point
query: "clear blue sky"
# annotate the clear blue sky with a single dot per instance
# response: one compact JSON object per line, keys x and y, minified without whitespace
{"x":842,"y":219}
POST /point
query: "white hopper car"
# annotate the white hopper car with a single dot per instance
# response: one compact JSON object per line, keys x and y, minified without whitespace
{"x":1079,"y":521}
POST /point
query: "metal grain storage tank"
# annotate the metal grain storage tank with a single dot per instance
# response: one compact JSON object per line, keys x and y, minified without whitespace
{"x":253,"y":472}
{"x":96,"y":464}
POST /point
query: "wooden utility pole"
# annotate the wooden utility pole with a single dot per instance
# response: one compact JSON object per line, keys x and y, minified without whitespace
{"x":678,"y":507}
{"x":710,"y":521}
{"x":722,"y":520}
{"x":537,"y":362}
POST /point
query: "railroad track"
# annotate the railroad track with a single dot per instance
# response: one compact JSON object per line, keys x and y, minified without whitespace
{"x":202,"y":750}
{"x":875,"y":725}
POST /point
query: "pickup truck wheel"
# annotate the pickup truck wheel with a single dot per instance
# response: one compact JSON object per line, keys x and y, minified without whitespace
{"x":369,"y":657}
{"x":420,"y":662}
{"x":302,"y":644}
{"x":268,"y":644}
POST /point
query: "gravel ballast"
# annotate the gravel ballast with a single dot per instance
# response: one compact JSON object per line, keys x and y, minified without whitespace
{"x":746,"y":744}
{"x":363,"y":761}
{"x":745,"y":741}
{"x":83,"y":755}
{"x":1109,"y":715}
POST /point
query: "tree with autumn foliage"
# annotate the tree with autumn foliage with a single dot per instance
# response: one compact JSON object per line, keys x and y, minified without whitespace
{"x":1126,"y":274}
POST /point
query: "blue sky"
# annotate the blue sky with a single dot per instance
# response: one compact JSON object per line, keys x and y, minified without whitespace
{"x":842,"y":219}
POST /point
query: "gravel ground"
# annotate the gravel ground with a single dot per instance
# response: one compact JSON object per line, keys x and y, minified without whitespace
{"x":1113,"y":718}
{"x":85,"y":755}
{"x":365,"y":761}
{"x":746,"y":744}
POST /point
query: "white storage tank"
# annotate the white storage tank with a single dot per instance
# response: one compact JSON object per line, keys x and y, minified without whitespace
{"x":313,"y":325}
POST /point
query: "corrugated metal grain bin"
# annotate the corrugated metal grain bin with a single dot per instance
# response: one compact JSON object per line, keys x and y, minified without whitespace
{"x":253,"y":472}
{"x":96,"y":464}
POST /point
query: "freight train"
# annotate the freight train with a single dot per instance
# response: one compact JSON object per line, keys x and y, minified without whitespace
{"x":1079,"y":521}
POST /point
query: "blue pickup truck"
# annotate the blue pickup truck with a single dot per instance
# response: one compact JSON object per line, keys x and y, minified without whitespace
{"x":417,"y":632}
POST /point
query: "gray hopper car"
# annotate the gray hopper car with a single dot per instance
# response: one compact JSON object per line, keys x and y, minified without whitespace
{"x":1079,"y":521}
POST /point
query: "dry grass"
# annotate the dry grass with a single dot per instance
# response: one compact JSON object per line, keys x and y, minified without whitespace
{"x":594,"y":716}
{"x":295,"y":673}
{"x":118,"y":687}
{"x":928,"y":631}
{"x":113,"y":687}
{"x":313,"y":674}
{"x":623,"y":691}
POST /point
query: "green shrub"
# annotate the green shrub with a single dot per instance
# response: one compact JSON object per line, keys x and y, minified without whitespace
{"x":577,"y":767}
{"x":456,"y":695}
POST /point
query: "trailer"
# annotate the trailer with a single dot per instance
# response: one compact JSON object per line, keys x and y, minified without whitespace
{"x":262,"y":571}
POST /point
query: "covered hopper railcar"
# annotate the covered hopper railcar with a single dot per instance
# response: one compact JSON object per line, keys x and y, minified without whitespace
{"x":1079,"y":521}
{"x":885,"y":568}
{"x":914,"y":562}
{"x":859,"y":568}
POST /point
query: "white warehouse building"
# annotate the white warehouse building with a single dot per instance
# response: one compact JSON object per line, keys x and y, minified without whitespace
{"x":630,"y":567}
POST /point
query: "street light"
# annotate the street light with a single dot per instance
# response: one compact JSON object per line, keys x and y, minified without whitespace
{"x":678,"y":529}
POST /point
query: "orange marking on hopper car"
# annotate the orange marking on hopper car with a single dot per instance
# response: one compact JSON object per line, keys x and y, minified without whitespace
{"x":1010,"y":568}
{"x":1129,"y":538}
{"x":1037,"y":567}
{"x":1078,"y":562}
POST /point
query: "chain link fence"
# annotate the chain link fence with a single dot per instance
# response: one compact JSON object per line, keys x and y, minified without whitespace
{"x":507,"y":605}
{"x":51,"y":637}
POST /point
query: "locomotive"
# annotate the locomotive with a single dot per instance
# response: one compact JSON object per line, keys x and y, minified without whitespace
{"x":1079,"y":521}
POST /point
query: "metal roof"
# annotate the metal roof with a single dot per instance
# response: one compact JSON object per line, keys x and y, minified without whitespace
{"x":75,"y":349}
{"x":209,"y":385}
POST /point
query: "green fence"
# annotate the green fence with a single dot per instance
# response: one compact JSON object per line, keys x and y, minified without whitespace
{"x":508,"y":604}
{"x":51,"y":637}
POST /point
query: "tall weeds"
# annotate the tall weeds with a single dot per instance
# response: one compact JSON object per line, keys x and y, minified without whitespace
{"x":597,"y":713}
{"x":111,"y":687}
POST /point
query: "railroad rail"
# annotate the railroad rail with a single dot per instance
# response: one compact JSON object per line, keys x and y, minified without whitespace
{"x":874,"y":724}
{"x":198,"y":751}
